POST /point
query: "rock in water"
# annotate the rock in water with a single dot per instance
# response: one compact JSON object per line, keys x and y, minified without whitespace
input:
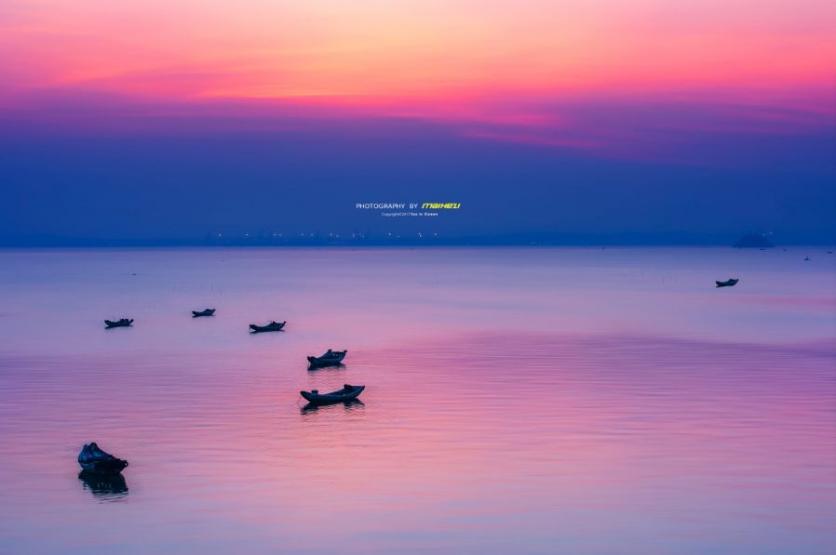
{"x":94,"y":459}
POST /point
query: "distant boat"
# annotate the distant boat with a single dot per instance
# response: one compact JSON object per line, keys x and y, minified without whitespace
{"x":205,"y":312}
{"x":728,"y":283}
{"x":344,"y":395}
{"x":94,"y":459}
{"x":330,"y":358}
{"x":806,"y":259}
{"x":120,"y":323}
{"x":272,"y":326}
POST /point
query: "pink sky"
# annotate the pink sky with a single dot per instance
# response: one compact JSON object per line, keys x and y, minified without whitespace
{"x":602,"y":76}
{"x":379,"y":53}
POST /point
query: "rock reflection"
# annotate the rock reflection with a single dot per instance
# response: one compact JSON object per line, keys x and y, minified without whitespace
{"x":107,"y":487}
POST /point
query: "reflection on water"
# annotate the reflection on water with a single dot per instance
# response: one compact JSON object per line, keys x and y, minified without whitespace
{"x":106,"y":487}
{"x":528,"y":401}
{"x":354,"y":404}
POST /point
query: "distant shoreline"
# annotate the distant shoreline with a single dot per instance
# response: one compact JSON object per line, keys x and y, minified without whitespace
{"x":430,"y":239}
{"x":392,"y":245}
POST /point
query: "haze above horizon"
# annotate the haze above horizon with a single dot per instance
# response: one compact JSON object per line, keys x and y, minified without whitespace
{"x":166,"y":121}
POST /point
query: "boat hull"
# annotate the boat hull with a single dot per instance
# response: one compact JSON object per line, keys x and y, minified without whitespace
{"x":203,"y":313}
{"x":321,"y":362}
{"x":344,"y":395}
{"x":263,"y":329}
{"x":110,"y":466}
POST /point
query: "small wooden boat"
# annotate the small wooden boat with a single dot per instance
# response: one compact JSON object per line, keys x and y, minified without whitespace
{"x":728,"y":283}
{"x":344,"y":395}
{"x":205,"y":312}
{"x":94,"y":459}
{"x":272,"y":326}
{"x":330,"y":358}
{"x":120,"y":323}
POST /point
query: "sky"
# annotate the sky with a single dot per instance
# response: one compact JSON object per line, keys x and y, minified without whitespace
{"x":696,"y":120}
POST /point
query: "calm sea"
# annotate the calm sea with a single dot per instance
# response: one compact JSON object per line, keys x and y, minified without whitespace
{"x":525,"y":401}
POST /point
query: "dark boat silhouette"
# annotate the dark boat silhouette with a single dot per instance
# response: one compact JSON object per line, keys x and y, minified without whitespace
{"x":120,"y":323}
{"x":346,"y":394}
{"x":205,"y":312}
{"x":728,"y":283}
{"x":329,"y":358}
{"x":95,"y":460}
{"x":272,"y":326}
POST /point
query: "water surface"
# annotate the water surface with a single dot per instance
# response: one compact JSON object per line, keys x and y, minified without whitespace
{"x":527,"y":401}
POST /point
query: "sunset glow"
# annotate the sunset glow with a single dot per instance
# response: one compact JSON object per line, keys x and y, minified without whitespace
{"x":384,"y":53}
